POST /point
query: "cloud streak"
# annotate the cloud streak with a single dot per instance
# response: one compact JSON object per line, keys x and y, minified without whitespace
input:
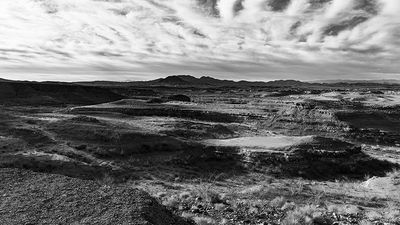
{"x":267,"y":38}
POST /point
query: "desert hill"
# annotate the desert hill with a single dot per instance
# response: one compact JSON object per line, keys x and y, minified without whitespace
{"x":57,"y":199}
{"x":31,"y":93}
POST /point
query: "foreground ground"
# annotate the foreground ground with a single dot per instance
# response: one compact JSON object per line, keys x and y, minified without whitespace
{"x":256,"y":155}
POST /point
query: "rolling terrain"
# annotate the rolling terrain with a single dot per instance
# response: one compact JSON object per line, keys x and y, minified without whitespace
{"x":212,"y":151}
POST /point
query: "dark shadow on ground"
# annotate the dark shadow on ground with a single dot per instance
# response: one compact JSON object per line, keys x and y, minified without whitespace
{"x":326,"y":159}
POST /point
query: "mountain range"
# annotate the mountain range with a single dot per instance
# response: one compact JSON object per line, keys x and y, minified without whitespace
{"x":207,"y":81}
{"x":191,"y":81}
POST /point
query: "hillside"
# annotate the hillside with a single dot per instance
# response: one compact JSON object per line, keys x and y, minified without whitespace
{"x":33,"y":93}
{"x":39,"y":198}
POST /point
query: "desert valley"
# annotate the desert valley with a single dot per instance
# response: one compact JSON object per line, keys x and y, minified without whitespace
{"x":186,"y":150}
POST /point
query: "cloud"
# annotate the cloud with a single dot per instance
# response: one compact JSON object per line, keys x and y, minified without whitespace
{"x":227,"y":9}
{"x":297,"y":7}
{"x":262,"y":37}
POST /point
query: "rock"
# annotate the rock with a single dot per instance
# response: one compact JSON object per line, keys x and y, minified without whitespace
{"x":219,"y":206}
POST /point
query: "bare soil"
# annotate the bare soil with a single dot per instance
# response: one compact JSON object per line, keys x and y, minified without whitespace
{"x":255,"y":155}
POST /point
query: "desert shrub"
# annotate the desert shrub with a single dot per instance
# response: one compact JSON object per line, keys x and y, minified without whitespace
{"x":277,"y":202}
{"x":343,"y":209}
{"x":106,"y":180}
{"x":373,"y":215}
{"x":392,"y":213}
{"x":187,"y":215}
{"x":185,"y":195}
{"x":206,"y":192}
{"x":160,"y":195}
{"x":302,"y":215}
{"x":257,"y":191}
{"x":296,"y":189}
{"x":204,"y":221}
{"x":288,"y":206}
{"x":219,"y":206}
{"x":395,"y":174}
{"x":171,"y":201}
{"x":224,"y":221}
{"x":365,"y":222}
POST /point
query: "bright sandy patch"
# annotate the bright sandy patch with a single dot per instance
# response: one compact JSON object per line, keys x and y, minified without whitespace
{"x":262,"y":142}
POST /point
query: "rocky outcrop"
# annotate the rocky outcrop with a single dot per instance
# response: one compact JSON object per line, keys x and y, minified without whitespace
{"x":320,"y":159}
{"x":300,"y":118}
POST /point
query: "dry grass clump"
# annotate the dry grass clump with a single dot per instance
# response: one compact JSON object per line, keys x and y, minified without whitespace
{"x":392,"y":213}
{"x":395,"y":174}
{"x":206,"y":192}
{"x":204,"y":220}
{"x":365,"y":222}
{"x":302,"y":215}
{"x":393,"y":216}
{"x":297,"y":189}
{"x":373,"y":215}
{"x":171,"y":201}
{"x":257,"y":191}
{"x":278,"y":202}
{"x":343,"y":209}
{"x":106,"y":180}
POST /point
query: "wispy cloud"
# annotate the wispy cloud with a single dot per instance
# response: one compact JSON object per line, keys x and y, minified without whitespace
{"x":245,"y":39}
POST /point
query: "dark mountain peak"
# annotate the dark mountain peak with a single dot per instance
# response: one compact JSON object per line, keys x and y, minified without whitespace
{"x":207,"y":78}
{"x":212,"y":81}
{"x":176,"y":80}
{"x":187,"y":80}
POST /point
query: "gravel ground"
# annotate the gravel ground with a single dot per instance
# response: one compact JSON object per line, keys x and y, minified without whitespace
{"x":35,"y":198}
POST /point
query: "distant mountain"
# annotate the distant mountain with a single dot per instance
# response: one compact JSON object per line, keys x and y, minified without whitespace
{"x":286,"y":83}
{"x":379,"y":81}
{"x":177,"y":80}
{"x":207,"y":81}
{"x":187,"y":80}
{"x":204,"y":81}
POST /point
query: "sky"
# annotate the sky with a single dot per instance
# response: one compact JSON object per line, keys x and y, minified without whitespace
{"x":75,"y":40}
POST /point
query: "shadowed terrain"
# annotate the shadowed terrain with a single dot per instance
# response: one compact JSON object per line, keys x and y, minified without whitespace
{"x":210,"y":150}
